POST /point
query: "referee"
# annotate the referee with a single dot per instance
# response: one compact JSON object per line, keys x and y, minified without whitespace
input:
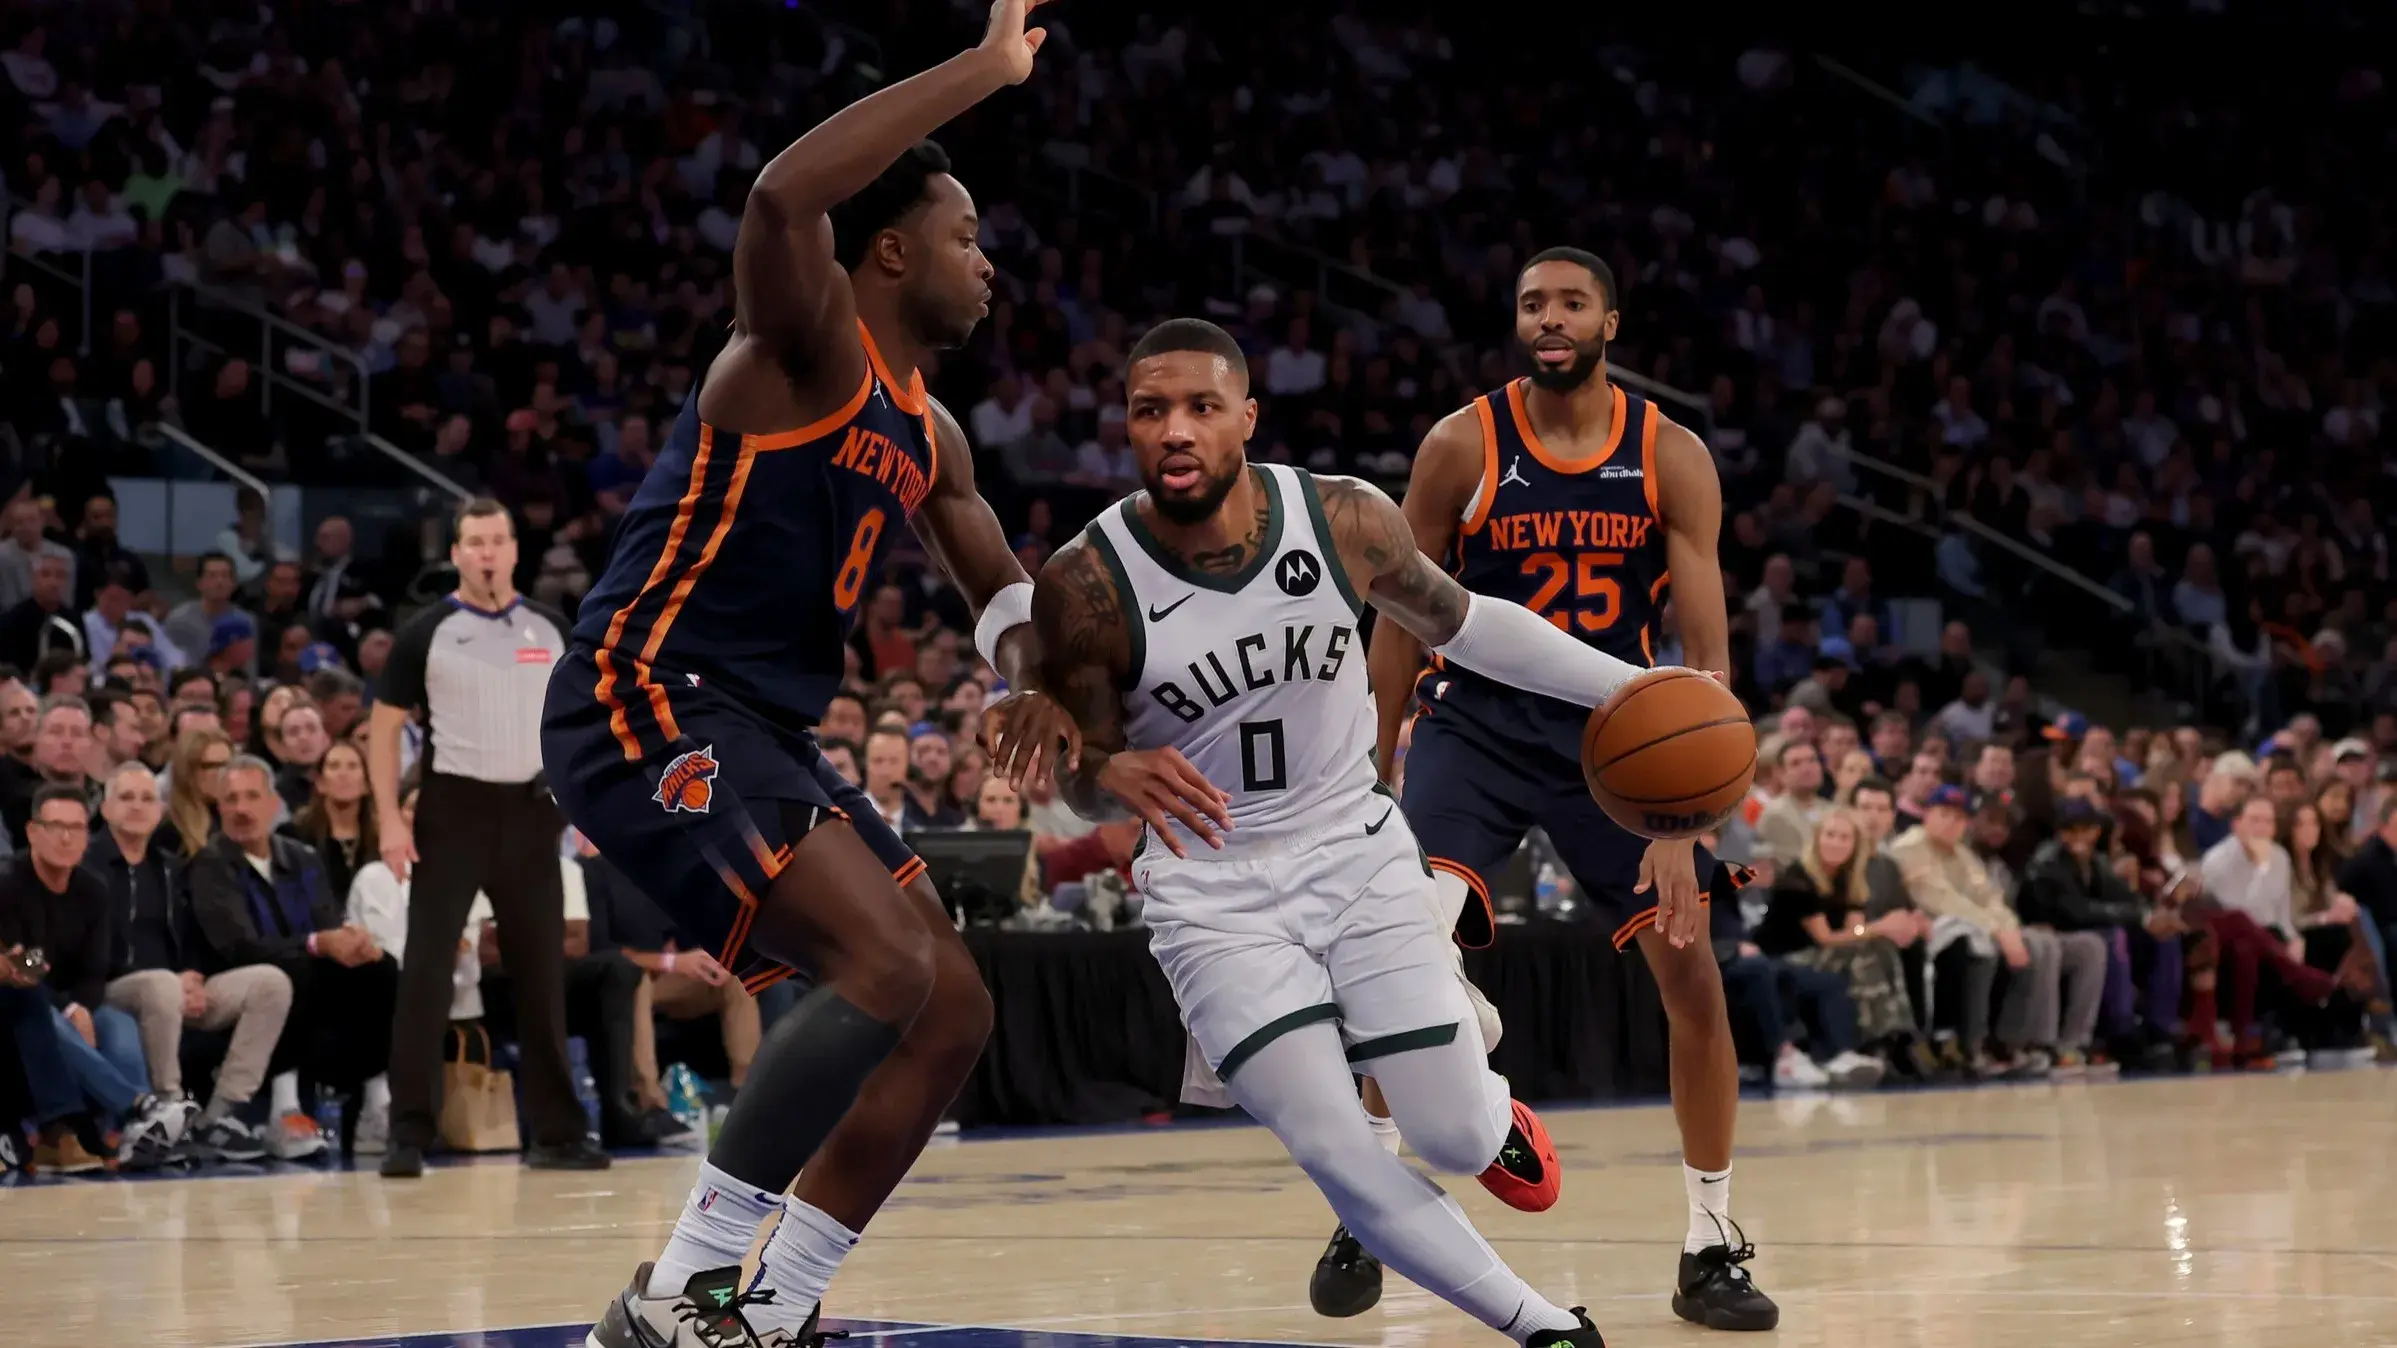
{"x":477,"y":664}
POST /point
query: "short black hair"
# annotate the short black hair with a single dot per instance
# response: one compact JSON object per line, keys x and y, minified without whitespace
{"x":1874,"y":783}
{"x":104,"y":704}
{"x":49,"y":667}
{"x":886,"y":202}
{"x":1190,"y":334}
{"x":190,"y":674}
{"x":477,"y":508}
{"x":61,"y":791}
{"x":214,"y":556}
{"x":1579,"y":257}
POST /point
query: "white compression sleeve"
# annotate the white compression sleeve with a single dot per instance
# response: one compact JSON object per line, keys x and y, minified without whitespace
{"x":1007,"y":608}
{"x":1514,"y":645}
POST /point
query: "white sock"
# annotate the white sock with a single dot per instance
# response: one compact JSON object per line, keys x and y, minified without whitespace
{"x":1538,"y":1316}
{"x":378,"y":1093}
{"x":798,"y":1262}
{"x":284,"y":1094}
{"x":1385,"y":1131}
{"x":1710,"y":1207}
{"x":718,"y":1224}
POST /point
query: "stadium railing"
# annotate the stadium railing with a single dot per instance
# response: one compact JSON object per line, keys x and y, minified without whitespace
{"x":194,"y":306}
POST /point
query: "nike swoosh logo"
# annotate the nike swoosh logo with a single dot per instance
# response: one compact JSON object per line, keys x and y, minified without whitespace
{"x":1157,"y":615}
{"x":1376,"y":825}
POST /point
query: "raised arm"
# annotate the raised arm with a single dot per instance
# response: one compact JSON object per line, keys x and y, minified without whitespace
{"x":1689,"y":496}
{"x":1448,"y":470}
{"x":1492,"y":636}
{"x":790,"y":290}
{"x":1085,"y":641}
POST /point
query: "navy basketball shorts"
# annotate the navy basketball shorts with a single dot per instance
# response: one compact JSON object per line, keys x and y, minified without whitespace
{"x":700,"y":806}
{"x":1472,"y":794}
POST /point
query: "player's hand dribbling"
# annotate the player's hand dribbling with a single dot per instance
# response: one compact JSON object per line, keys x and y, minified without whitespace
{"x":1670,"y":867}
{"x":1159,"y":783}
{"x":1008,"y":39}
{"x":1021,"y":731}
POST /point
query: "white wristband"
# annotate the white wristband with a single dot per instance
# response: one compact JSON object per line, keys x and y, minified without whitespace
{"x":1514,"y":645}
{"x":1007,"y":608}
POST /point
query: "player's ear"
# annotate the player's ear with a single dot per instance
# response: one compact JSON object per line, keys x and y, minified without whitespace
{"x":1608,"y":324}
{"x":888,"y":251}
{"x":1248,"y":419}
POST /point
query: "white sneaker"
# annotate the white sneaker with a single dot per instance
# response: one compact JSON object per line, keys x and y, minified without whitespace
{"x":1794,"y":1071}
{"x":374,"y":1131}
{"x":148,"y":1140}
{"x":1853,"y":1071}
{"x":294,"y":1137}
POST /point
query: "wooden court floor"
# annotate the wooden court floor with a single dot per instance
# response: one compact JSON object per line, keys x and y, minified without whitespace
{"x":2247,"y":1211}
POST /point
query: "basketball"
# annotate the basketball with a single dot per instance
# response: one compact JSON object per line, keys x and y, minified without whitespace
{"x":1670,"y":755}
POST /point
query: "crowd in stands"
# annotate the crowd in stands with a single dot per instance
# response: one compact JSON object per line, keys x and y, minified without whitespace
{"x":2152,"y":347}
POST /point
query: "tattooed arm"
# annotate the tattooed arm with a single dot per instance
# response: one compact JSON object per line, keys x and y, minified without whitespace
{"x":1085,"y":642}
{"x":1492,"y":636}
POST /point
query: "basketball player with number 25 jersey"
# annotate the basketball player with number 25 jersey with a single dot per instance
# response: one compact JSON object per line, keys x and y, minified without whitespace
{"x":1579,"y":499}
{"x":1203,"y":635}
{"x":678,"y":733}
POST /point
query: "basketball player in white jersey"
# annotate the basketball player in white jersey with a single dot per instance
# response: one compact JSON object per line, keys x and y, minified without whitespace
{"x":1203,"y":634}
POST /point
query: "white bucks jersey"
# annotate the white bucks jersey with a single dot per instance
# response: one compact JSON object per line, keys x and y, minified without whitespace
{"x":1257,"y":676}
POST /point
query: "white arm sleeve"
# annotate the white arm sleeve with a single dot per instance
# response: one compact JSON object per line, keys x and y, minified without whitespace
{"x":1514,"y":645}
{"x":1006,"y":609}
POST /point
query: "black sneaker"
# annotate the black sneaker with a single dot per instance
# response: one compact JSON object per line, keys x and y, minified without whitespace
{"x":224,"y":1138}
{"x":1585,"y":1335}
{"x":581,"y":1154}
{"x":1348,"y":1279}
{"x":1714,"y":1289}
{"x":402,"y":1162}
{"x":706,"y":1313}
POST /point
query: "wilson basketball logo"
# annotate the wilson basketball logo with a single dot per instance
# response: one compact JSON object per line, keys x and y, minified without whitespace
{"x":688,"y":783}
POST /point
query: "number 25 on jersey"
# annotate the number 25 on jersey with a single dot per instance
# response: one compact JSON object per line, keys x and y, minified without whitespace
{"x":1597,"y":596}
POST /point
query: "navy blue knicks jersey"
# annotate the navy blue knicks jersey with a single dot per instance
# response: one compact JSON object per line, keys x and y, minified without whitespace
{"x":1579,"y":543}
{"x":743,"y":559}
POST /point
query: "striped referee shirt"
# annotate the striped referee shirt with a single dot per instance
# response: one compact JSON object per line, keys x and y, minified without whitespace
{"x":480,"y":676}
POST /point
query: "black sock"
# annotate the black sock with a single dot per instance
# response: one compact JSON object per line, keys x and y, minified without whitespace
{"x":806,"y":1075}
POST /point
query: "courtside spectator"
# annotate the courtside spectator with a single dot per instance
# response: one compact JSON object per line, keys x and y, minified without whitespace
{"x":2069,"y":894}
{"x":1972,"y":927}
{"x":1816,"y":920}
{"x":261,"y":899}
{"x":301,"y":744}
{"x":338,"y":819}
{"x":117,"y":732}
{"x":1789,"y":820}
{"x":677,"y":984}
{"x":2254,"y":923}
{"x":154,"y":975}
{"x":61,"y":741}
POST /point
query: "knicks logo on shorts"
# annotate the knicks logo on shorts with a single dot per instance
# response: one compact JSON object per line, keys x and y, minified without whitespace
{"x":688,"y":783}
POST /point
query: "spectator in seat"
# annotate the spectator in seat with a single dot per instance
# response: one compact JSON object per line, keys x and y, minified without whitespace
{"x":193,"y":776}
{"x":1972,"y":716}
{"x":928,"y":805}
{"x":117,"y":733}
{"x":2369,"y":876}
{"x":64,"y":674}
{"x":2197,"y":599}
{"x":48,"y":902}
{"x":302,"y":743}
{"x":2145,"y":583}
{"x":1790,"y":818}
{"x":2226,"y":787}
{"x":154,"y":974}
{"x":1972,"y":927}
{"x":261,"y":899}
{"x":2071,"y":893}
{"x":98,"y":555}
{"x":1924,"y":773}
{"x":191,"y":626}
{"x":1782,"y":662}
{"x":340,"y":698}
{"x":62,"y":738}
{"x":676,"y":984}
{"x":43,"y":622}
{"x":338,"y":819}
{"x":1892,"y":743}
{"x":2337,"y":933}
{"x":113,"y":625}
{"x":2249,"y":877}
{"x":887,"y":766}
{"x":23,"y":545}
{"x":1816,"y":920}
{"x":281,"y":604}
{"x":603,"y":1001}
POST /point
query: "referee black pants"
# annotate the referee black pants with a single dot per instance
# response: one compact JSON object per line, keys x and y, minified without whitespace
{"x":499,"y":838}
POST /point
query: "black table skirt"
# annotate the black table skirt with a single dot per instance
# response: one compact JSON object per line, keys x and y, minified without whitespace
{"x":1087,"y":1032}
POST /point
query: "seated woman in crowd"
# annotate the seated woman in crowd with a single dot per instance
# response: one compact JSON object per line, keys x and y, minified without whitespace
{"x":2338,"y":936}
{"x":194,"y":774}
{"x":1816,"y":920}
{"x":339,"y":820}
{"x":2251,"y":914}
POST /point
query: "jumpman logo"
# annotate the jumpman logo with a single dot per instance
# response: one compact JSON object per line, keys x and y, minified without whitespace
{"x":1514,"y":473}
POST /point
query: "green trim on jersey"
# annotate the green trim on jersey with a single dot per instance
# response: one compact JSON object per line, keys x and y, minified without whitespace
{"x":1331,"y":551}
{"x":1172,"y":563}
{"x":1275,"y":1029}
{"x":1431,"y":1036}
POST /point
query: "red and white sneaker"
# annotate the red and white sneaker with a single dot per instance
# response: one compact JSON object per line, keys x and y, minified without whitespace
{"x":294,"y":1137}
{"x":1526,"y":1174}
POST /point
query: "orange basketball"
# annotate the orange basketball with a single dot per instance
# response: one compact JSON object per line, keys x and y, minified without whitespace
{"x":1670,"y":755}
{"x":695,"y":794}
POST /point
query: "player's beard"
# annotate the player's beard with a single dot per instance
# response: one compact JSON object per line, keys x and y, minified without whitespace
{"x":1588,"y":358}
{"x":1196,"y":507}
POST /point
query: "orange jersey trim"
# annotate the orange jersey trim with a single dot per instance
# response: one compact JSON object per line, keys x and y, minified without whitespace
{"x":814,"y":430}
{"x":1648,"y":428}
{"x":910,"y":397}
{"x":1531,"y":438}
{"x":619,"y":721}
{"x":1488,"y":495}
{"x":690,"y":579}
{"x":1643,"y":920}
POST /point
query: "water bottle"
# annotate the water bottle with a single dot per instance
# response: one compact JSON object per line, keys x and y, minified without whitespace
{"x":328,"y":1116}
{"x":586,"y":1090}
{"x":684,"y":1100}
{"x":1546,"y":891}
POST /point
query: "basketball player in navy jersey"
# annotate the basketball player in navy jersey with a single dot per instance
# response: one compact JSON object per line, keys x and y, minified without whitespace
{"x":678,"y":732}
{"x":1577,"y":498}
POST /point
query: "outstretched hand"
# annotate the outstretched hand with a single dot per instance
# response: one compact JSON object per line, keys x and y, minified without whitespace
{"x":1157,"y":784}
{"x":1010,"y":40}
{"x":1022,"y":732}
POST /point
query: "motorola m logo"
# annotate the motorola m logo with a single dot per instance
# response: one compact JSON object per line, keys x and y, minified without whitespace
{"x":1298,"y":573}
